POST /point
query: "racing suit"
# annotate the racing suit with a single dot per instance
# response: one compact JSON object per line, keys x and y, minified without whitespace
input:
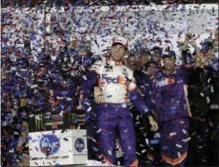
{"x":118,"y":86}
{"x":170,"y":96}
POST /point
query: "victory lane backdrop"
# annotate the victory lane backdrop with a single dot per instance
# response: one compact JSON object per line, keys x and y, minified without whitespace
{"x":26,"y":32}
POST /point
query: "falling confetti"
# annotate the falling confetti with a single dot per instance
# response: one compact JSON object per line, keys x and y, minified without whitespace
{"x":42,"y":71}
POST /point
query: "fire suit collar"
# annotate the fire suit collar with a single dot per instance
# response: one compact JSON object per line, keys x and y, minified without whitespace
{"x":113,"y":63}
{"x":173,"y":71}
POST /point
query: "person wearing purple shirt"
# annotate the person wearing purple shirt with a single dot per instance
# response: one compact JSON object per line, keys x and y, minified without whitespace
{"x":170,"y":96}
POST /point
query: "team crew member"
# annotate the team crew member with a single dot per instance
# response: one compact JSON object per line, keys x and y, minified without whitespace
{"x":152,"y":72}
{"x":156,"y":55}
{"x":140,"y":122}
{"x":173,"y":111}
{"x":118,"y":88}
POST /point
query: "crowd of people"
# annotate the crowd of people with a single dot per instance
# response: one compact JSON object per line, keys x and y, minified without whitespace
{"x":93,"y":2}
{"x":201,"y":77}
{"x":183,"y":99}
{"x":34,"y":80}
{"x":29,"y":87}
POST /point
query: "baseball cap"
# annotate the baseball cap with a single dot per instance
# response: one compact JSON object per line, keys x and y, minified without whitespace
{"x":159,"y":49}
{"x":149,"y":63}
{"x":169,"y":54}
{"x":156,"y":48}
{"x":120,"y":40}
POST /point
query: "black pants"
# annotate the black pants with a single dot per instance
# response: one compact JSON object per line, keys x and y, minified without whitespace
{"x":214,"y":138}
{"x":142,"y":131}
{"x":203,"y":146}
{"x":198,"y":152}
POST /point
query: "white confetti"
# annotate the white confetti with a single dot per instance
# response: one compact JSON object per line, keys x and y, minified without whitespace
{"x":172,"y":133}
{"x":84,"y":77}
{"x":184,"y":131}
{"x":147,"y":141}
{"x":99,"y":130}
{"x":193,"y":134}
{"x":94,"y":140}
{"x":109,"y":152}
{"x":86,"y":103}
{"x":16,"y":133}
{"x":212,"y":89}
{"x":11,"y":151}
{"x":208,"y":100}
{"x":143,"y":151}
{"x":157,"y":135}
{"x":33,"y":86}
{"x":31,"y":115}
{"x":179,"y":155}
{"x":138,"y":153}
{"x":61,"y":113}
{"x":89,"y":109}
{"x":186,"y":140}
{"x":177,"y":145}
{"x":69,"y":99}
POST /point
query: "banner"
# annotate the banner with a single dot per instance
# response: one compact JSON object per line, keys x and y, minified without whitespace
{"x":58,"y":147}
{"x":43,"y":121}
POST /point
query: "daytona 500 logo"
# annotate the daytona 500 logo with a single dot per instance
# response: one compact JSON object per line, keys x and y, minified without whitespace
{"x":49,"y":144}
{"x":79,"y":144}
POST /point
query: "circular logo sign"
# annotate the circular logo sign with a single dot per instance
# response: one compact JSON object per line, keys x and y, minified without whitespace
{"x":49,"y":144}
{"x":79,"y":144}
